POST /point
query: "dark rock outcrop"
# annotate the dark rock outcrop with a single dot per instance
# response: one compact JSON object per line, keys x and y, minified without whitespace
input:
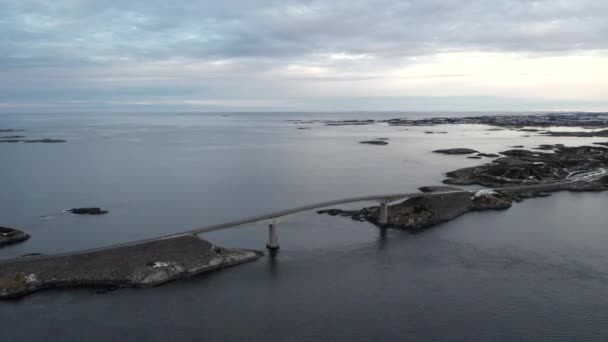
{"x":87,"y":211}
{"x":438,"y":188}
{"x":14,"y":139}
{"x":349,"y":122}
{"x":9,"y":236}
{"x":456,"y":151}
{"x":548,"y":147}
{"x":374,"y":142}
{"x":46,"y":141}
{"x":601,"y":133}
{"x":529,"y":130}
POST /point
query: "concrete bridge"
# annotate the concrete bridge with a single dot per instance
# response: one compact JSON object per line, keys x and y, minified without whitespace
{"x":384,"y":200}
{"x":273,"y":241}
{"x":157,"y":260}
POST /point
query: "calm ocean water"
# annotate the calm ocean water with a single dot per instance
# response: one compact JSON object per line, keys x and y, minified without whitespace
{"x":535,"y":272}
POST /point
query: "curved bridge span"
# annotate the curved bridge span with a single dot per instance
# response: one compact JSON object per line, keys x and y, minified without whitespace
{"x":383,"y":199}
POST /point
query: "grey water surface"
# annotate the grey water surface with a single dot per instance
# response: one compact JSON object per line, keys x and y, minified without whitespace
{"x":536,"y":272}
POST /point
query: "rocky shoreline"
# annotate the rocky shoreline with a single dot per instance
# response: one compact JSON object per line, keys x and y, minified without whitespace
{"x":511,"y":121}
{"x":525,"y":167}
{"x":139,"y":265}
{"x":515,"y":176}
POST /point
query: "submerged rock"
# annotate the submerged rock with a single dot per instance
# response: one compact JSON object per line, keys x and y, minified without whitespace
{"x":456,"y":151}
{"x":138,"y":265}
{"x":9,"y":236}
{"x":87,"y":211}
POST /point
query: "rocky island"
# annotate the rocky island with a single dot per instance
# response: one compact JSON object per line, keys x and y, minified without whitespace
{"x":87,"y":211}
{"x":134,"y":265}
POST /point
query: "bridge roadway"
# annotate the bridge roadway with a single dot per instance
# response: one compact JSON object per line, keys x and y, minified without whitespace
{"x":384,"y":199}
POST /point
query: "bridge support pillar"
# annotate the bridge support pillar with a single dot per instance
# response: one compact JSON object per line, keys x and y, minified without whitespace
{"x":273,"y":236}
{"x":383,"y":217}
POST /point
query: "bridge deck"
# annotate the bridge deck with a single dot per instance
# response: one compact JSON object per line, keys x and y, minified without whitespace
{"x":383,"y":198}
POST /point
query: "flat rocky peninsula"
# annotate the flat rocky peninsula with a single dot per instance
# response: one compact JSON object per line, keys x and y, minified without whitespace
{"x":135,"y":265}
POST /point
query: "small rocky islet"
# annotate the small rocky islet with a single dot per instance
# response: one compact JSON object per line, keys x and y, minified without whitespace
{"x":87,"y":211}
{"x":10,"y":236}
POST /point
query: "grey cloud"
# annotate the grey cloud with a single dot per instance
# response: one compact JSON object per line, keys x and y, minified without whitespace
{"x":107,"y":30}
{"x":70,"y":49}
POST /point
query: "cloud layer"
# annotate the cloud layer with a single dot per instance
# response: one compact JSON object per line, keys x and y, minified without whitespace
{"x":111,"y":52}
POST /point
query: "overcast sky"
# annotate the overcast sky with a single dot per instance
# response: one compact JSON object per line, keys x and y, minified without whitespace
{"x":159,"y":55}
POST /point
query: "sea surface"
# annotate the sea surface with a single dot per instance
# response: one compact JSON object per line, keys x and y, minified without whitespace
{"x":536,"y":272}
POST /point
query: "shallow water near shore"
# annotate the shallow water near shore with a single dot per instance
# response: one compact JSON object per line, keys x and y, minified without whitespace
{"x":536,"y":271}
